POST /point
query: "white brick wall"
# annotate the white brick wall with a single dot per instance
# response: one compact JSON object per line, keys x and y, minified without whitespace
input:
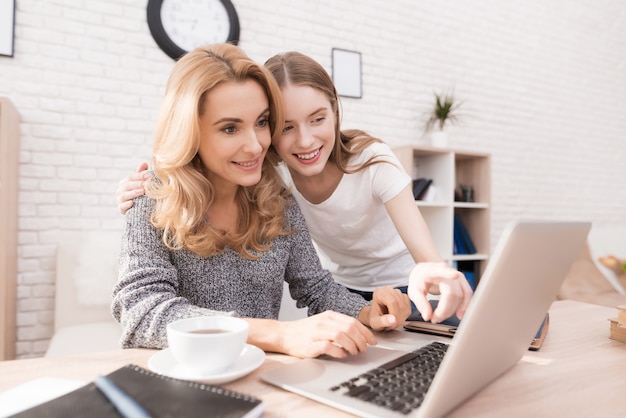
{"x":544,"y":85}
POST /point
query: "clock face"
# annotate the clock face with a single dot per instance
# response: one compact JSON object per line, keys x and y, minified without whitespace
{"x":178,"y":26}
{"x":192,"y":23}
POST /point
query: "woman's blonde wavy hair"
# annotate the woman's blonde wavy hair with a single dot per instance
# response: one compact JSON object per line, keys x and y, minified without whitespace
{"x":181,"y":190}
{"x":298,"y":69}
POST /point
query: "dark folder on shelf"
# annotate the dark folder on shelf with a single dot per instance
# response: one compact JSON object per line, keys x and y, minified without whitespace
{"x":420,"y":186}
{"x":462,"y":240}
{"x":159,"y":395}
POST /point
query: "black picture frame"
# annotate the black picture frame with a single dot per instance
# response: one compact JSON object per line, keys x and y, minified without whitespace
{"x":347,"y":72}
{"x":7,"y":27}
{"x":153,"y":15}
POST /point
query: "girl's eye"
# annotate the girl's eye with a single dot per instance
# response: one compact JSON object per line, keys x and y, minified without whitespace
{"x":229,"y":129}
{"x":263,"y":122}
{"x":320,"y":119}
{"x":287,"y":128}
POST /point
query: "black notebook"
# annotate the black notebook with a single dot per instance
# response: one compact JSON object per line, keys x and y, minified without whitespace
{"x":159,"y":395}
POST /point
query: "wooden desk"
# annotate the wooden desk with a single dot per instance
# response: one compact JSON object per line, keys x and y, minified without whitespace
{"x":578,"y":372}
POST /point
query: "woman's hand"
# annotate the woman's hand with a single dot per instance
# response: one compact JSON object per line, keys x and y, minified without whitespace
{"x":439,"y":278}
{"x":131,"y":187}
{"x":388,"y":310}
{"x":330,"y":333}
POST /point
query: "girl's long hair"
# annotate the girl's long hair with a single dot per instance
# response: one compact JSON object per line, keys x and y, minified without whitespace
{"x":181,"y":190}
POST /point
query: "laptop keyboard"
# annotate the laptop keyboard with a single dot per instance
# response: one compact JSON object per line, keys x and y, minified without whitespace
{"x":399,"y":385}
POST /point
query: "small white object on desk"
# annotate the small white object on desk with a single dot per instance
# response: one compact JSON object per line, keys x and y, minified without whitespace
{"x":35,"y":392}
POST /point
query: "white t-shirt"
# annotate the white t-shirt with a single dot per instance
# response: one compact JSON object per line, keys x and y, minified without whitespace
{"x":352,"y":227}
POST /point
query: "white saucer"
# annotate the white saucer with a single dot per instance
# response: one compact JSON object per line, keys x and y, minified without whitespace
{"x":250,"y":359}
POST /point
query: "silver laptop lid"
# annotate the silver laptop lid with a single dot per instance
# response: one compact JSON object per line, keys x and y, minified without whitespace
{"x":519,"y":284}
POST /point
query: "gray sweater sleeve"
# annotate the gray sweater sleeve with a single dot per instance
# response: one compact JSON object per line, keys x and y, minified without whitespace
{"x":146,"y":297}
{"x":157,"y":286}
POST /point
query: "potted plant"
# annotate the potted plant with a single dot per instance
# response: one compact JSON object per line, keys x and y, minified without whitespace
{"x":445,"y":111}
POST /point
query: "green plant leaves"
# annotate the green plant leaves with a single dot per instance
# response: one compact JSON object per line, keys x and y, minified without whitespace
{"x":444,"y":111}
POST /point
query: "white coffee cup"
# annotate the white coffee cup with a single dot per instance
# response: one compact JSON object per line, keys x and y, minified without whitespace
{"x":207,"y":344}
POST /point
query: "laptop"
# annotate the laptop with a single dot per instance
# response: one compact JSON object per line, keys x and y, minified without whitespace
{"x":518,"y":286}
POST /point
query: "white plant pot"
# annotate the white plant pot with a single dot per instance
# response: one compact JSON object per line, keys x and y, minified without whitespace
{"x":439,"y":139}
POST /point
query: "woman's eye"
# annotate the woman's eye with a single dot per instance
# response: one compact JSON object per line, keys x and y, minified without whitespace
{"x":287,"y":128}
{"x":229,"y":129}
{"x":320,"y":119}
{"x":263,"y":122}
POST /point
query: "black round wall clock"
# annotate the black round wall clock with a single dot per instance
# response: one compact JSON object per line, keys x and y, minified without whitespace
{"x":178,"y":26}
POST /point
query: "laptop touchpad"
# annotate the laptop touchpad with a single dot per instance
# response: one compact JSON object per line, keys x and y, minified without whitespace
{"x":312,"y":369}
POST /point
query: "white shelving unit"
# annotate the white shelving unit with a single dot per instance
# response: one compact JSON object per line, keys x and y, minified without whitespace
{"x":449,"y":169}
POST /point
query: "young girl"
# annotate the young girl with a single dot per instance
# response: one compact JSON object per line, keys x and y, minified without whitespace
{"x":217,"y":233}
{"x":355,"y":197}
{"x":353,"y":193}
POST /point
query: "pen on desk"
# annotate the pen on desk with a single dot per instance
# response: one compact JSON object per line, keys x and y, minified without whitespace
{"x":127,"y":406}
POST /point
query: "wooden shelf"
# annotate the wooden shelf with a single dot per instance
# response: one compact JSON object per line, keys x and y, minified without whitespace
{"x":470,"y":257}
{"x":471,"y":205}
{"x":9,"y":161}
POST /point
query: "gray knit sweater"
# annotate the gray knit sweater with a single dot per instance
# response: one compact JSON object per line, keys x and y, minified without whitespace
{"x":157,"y":286}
